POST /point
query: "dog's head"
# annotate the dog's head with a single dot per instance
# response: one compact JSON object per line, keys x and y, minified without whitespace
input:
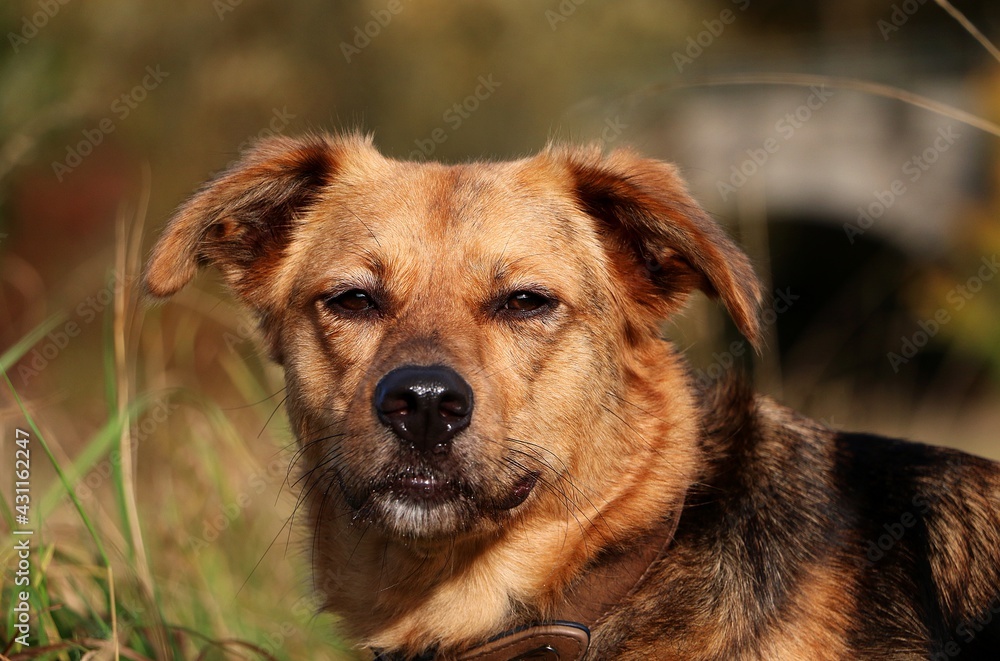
{"x":463,"y":344}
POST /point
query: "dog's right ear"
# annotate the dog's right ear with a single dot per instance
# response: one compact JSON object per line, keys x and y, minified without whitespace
{"x":242,"y":220}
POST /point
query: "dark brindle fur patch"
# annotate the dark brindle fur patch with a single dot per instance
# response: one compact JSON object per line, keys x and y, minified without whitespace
{"x":782,"y":497}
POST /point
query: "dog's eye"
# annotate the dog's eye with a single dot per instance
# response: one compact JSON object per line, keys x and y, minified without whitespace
{"x":352,"y":300}
{"x":525,"y":303}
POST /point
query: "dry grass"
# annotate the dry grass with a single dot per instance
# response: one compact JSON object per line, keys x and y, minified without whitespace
{"x":164,"y":523}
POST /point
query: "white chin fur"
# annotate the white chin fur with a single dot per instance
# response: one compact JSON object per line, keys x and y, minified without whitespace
{"x":409,"y":518}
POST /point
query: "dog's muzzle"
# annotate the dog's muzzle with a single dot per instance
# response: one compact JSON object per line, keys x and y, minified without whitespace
{"x":426,"y":407}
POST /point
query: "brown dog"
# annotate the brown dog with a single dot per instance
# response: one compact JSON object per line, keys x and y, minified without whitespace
{"x":505,"y":460}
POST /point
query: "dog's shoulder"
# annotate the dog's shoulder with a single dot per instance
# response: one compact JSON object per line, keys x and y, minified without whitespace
{"x":912,"y":530}
{"x":806,"y":542}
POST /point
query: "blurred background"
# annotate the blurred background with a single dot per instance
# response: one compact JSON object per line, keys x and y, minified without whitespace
{"x":851,"y":147}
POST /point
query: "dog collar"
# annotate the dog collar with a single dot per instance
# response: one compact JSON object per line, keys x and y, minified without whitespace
{"x":588,"y":602}
{"x":550,"y":641}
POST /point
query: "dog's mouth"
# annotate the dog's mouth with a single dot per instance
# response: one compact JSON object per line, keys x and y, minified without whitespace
{"x":424,"y":502}
{"x":426,"y":488}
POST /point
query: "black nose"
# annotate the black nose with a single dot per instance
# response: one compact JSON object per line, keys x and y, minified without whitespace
{"x":424,"y":405}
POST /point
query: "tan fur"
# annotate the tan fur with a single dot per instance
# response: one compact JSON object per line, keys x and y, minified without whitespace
{"x":586,"y":397}
{"x":822,"y":619}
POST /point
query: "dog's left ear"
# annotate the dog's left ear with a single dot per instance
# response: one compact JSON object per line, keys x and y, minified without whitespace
{"x":671,"y":245}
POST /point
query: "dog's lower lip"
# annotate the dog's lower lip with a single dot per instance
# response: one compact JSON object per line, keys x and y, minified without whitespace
{"x":421,"y":488}
{"x":520,"y":492}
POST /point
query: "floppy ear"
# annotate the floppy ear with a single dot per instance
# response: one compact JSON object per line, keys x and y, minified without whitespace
{"x":672,"y":246}
{"x":242,"y":220}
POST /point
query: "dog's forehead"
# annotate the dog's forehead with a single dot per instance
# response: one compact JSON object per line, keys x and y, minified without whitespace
{"x":505,"y":218}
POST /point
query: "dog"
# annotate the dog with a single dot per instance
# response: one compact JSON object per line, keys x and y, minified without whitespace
{"x":502,"y":458}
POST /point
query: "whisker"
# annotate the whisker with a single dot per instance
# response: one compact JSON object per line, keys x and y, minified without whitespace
{"x":270,"y":417}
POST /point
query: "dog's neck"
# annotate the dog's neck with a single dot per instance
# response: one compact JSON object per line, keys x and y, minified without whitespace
{"x":608,"y":581}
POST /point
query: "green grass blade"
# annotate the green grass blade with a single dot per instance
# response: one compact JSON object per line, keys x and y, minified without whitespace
{"x":101,"y":444}
{"x":23,"y":346}
{"x":91,"y":530}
